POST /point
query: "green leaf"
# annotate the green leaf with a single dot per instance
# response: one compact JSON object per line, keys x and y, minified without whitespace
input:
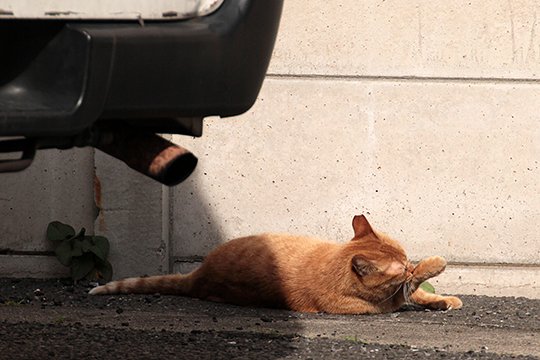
{"x":427,"y":287}
{"x":64,"y":252}
{"x":87,"y":243}
{"x":81,"y":266}
{"x":100,"y":247}
{"x":77,"y":247}
{"x":104,"y":269}
{"x":56,"y":231}
{"x":81,"y":233}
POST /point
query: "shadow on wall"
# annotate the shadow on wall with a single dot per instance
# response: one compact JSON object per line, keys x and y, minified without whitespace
{"x":58,"y":186}
{"x":195,"y":228}
{"x":131,"y":217}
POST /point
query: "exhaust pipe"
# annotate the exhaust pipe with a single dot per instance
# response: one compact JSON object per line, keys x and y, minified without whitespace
{"x":148,"y":153}
{"x":28,"y":149}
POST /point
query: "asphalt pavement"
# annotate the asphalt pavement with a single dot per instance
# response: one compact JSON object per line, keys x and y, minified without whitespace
{"x":56,"y":319}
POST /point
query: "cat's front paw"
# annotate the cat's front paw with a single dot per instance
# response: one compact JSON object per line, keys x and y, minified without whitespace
{"x":429,"y":267}
{"x":453,"y":302}
{"x":436,"y":264}
{"x":443,"y":303}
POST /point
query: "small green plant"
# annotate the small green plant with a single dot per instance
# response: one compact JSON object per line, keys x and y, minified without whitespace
{"x":427,"y":287}
{"x":59,"y":320}
{"x":355,"y":339}
{"x":86,"y":255}
{"x":13,"y":303}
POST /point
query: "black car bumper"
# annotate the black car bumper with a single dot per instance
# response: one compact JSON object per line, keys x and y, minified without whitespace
{"x":61,"y":78}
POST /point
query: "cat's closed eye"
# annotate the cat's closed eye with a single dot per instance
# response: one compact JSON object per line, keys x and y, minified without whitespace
{"x":395,"y":268}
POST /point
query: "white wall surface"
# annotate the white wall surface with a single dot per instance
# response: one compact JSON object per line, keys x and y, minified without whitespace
{"x":444,"y":177}
{"x":453,"y":38}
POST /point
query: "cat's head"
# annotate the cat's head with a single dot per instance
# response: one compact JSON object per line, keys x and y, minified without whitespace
{"x":379,"y":264}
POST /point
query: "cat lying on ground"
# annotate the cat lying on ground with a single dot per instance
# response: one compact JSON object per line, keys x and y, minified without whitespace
{"x":369,"y":274}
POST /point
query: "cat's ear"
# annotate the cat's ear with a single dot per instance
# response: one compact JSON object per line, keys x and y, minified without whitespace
{"x":361,"y":266}
{"x":361,"y":226}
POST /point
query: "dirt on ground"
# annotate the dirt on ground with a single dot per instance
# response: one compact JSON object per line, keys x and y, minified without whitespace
{"x":57,"y":319}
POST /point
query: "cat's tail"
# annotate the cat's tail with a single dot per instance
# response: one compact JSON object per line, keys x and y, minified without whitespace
{"x":174,"y":284}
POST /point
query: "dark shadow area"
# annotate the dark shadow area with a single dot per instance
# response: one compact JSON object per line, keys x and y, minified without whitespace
{"x":196,"y":232}
{"x":138,"y":326}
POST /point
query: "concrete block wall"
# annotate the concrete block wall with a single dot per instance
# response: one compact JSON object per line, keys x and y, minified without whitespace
{"x":421,"y":116}
{"x":83,"y":188}
{"x":58,"y":186}
{"x":134,"y":216}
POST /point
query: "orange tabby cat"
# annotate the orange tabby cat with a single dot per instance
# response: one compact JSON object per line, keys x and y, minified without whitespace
{"x":369,"y":274}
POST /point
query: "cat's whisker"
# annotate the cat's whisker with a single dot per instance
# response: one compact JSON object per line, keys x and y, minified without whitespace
{"x":406,"y":293}
{"x":391,"y":296}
